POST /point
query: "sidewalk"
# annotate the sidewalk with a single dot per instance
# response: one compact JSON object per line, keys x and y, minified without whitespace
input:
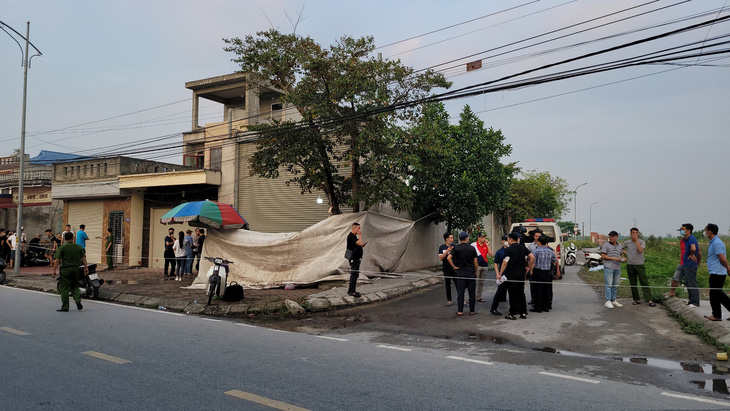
{"x":146,"y":287}
{"x":719,"y":330}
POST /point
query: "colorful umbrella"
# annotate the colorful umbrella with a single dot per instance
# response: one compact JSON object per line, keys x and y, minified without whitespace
{"x":216,"y":215}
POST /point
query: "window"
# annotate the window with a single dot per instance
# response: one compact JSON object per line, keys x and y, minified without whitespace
{"x":84,"y":168}
{"x":194,"y":160}
{"x":72,"y":170}
{"x":216,"y":155}
{"x":98,"y":168}
{"x":65,"y":171}
{"x":105,"y":168}
{"x":276,"y":106}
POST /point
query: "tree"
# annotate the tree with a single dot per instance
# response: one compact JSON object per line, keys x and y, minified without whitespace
{"x":457,"y":170}
{"x":341,"y":92}
{"x":568,"y":227}
{"x":537,"y":194}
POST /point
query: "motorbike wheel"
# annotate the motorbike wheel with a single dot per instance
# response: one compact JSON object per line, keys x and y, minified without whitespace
{"x":569,"y":259}
{"x":2,"y":277}
{"x":211,"y":288}
{"x":592,"y":263}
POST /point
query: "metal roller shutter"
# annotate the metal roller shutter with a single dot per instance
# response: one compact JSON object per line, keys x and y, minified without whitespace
{"x":91,"y":214}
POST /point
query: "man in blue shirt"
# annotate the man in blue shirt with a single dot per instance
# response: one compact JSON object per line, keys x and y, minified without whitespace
{"x":690,"y":263}
{"x":542,"y":275}
{"x":717,"y":267}
{"x":81,"y":236}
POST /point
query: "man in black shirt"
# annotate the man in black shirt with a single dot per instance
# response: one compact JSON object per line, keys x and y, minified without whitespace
{"x":444,"y":252}
{"x":463,"y":259}
{"x":517,"y":262}
{"x":170,"y":253}
{"x":201,"y":239}
{"x":354,"y":256}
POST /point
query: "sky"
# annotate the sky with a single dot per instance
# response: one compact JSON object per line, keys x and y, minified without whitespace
{"x":650,"y":141}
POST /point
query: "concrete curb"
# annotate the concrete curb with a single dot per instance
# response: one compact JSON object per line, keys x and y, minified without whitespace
{"x":316,"y":304}
{"x":328,"y":303}
{"x":719,"y":330}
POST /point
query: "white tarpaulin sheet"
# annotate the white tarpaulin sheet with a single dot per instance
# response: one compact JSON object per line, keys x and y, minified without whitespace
{"x":269,"y":260}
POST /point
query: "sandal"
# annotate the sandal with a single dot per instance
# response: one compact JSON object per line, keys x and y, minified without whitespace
{"x":636,"y":302}
{"x":652,"y":304}
{"x":448,"y":303}
{"x":472,"y":313}
{"x":459,"y":313}
{"x":482,"y":300}
{"x":712,"y":318}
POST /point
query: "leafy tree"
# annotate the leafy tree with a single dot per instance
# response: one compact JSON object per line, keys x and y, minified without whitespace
{"x":537,"y":194}
{"x":568,"y":227}
{"x":457,"y":170}
{"x":340,"y":92}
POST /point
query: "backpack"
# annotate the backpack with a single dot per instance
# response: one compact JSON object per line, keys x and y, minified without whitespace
{"x":233,"y":293}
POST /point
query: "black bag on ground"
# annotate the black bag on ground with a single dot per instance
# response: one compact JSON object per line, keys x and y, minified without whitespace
{"x":233,"y":293}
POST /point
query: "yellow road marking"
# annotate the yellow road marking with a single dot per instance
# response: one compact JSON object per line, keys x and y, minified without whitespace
{"x":264,"y":401}
{"x":14,"y":331}
{"x":106,"y":357}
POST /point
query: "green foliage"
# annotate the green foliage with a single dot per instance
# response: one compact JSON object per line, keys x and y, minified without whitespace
{"x":340,"y":92}
{"x":537,"y":194}
{"x":584,"y":243}
{"x":456,"y":169}
{"x":568,"y":227}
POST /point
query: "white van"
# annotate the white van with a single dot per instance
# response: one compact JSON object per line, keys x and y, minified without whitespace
{"x":551,"y":229}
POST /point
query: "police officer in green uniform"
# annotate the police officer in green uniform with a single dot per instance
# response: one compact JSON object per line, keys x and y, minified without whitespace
{"x":70,"y":256}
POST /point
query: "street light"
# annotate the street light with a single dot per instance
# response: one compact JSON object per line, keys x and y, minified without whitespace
{"x":575,"y":205}
{"x":21,"y":159}
{"x":590,"y":217}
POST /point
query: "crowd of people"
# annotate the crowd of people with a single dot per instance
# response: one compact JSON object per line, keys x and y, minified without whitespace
{"x":182,"y":251}
{"x":528,"y":257}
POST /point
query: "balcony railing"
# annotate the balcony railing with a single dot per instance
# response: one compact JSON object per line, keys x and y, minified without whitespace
{"x":29,"y":175}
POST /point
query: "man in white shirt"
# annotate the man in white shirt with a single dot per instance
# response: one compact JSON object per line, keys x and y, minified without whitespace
{"x":13,"y":240}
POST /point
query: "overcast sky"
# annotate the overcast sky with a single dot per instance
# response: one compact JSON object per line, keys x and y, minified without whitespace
{"x":652,"y":149}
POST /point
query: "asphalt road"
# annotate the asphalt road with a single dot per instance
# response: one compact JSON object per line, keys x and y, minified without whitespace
{"x":115,"y":357}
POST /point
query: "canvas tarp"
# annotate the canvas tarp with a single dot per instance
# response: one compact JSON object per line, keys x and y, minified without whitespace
{"x":269,"y":260}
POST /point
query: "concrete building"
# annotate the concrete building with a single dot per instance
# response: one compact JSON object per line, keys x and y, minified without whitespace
{"x":268,"y":205}
{"x":128,"y":195}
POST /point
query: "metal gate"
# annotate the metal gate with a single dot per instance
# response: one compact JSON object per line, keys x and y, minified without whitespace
{"x":116,"y":221}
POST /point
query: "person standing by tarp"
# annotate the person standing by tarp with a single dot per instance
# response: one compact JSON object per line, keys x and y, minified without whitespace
{"x":463,"y":260}
{"x":717,"y":267}
{"x":483,"y":253}
{"x":189,"y":255}
{"x":353,"y":254}
{"x":444,"y":251}
{"x":200,"y":233}
{"x":70,"y":257}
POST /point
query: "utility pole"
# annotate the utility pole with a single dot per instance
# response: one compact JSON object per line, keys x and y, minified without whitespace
{"x":21,"y":159}
{"x":575,"y":205}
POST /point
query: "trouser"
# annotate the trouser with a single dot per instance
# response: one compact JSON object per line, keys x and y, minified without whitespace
{"x":169,"y":262}
{"x":354,"y":273}
{"x":533,"y":288}
{"x":109,"y":260}
{"x":481,"y":278}
{"x":499,"y":296}
{"x":690,"y":279}
{"x":68,"y":281}
{"x":197,"y":261}
{"x":448,"y":277}
{"x":462,"y":284}
{"x":189,"y":264}
{"x":180,"y":270}
{"x":638,"y":272}
{"x":542,"y":280}
{"x":517,"y":301}
{"x":611,"y":278}
{"x":718,"y":298}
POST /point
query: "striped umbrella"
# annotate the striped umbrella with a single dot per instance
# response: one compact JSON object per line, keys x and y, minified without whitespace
{"x":211,"y":213}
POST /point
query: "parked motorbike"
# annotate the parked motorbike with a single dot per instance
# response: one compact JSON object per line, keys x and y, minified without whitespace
{"x":88,"y":284}
{"x":216,"y":277}
{"x":570,"y":254}
{"x":2,"y":270}
{"x":35,"y":257}
{"x":593,"y":259}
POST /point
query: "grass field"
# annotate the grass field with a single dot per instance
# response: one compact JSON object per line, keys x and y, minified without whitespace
{"x":662,"y":258}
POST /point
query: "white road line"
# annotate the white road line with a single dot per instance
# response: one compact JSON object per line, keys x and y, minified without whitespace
{"x":331,"y":338}
{"x":106,"y":357}
{"x":695,"y":398}
{"x":246,"y":325}
{"x":212,"y":319}
{"x":145,"y":309}
{"x":452,"y":357}
{"x":264,"y":401}
{"x":279,"y":331}
{"x":391,"y":347}
{"x":14,"y":331}
{"x":569,"y":377}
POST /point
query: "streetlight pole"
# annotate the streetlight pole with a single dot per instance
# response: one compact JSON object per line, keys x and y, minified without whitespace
{"x":590,"y":217}
{"x":21,"y":159}
{"x":575,"y":205}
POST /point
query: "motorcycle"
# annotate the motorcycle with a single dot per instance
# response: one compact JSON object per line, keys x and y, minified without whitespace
{"x":216,"y":276}
{"x":593,"y":259}
{"x":570,"y":254}
{"x":88,"y":284}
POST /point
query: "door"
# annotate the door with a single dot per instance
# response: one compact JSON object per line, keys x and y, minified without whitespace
{"x":91,"y":214}
{"x":116,"y":224}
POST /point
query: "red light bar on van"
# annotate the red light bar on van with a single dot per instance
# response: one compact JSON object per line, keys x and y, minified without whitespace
{"x":541,"y":220}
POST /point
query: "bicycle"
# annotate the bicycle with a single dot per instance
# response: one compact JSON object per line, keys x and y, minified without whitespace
{"x":214,"y":276}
